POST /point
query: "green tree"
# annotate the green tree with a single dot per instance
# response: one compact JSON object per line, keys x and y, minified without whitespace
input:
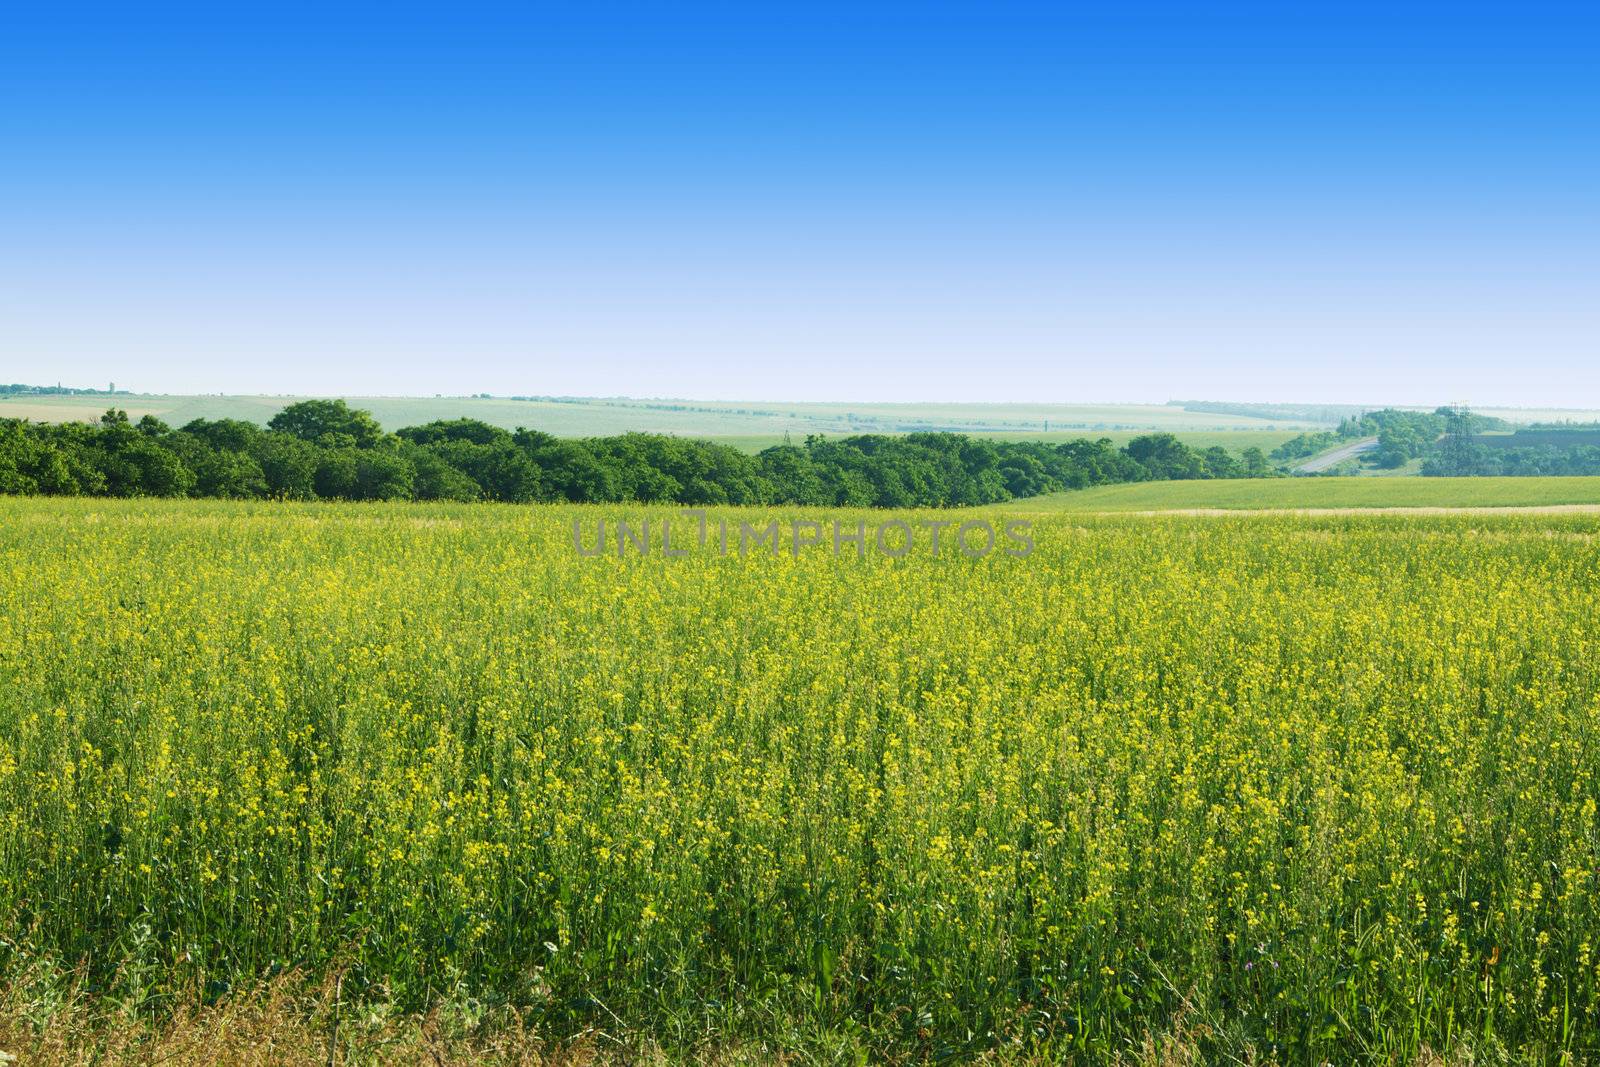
{"x":289,"y":466}
{"x":331,"y":422}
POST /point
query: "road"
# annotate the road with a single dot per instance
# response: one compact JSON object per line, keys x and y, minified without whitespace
{"x":1338,"y":455}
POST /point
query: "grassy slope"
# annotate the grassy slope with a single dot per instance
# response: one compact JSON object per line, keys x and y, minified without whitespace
{"x":755,"y":419}
{"x":749,"y":426}
{"x":697,"y":417}
{"x":1232,"y":440}
{"x":1323,"y":493}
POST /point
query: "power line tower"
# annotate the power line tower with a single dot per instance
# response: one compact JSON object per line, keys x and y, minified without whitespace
{"x":1458,"y":440}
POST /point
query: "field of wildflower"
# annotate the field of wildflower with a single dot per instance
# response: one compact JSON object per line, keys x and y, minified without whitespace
{"x":1283,"y":788}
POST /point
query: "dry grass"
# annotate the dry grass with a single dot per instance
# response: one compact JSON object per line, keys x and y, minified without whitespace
{"x":286,"y":1023}
{"x":283,"y":1024}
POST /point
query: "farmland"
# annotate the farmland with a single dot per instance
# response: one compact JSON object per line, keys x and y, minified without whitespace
{"x":1321,"y":493}
{"x":1299,"y":788}
{"x":749,"y":424}
{"x":1235,"y":441}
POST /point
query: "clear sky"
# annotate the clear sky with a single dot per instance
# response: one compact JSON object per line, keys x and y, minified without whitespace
{"x":987,"y":201}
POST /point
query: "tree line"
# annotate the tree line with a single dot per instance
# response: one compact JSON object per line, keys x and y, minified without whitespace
{"x":1562,"y":449}
{"x":23,"y":389}
{"x":326,"y":450}
{"x":1542,"y":460}
{"x":1402,"y":435}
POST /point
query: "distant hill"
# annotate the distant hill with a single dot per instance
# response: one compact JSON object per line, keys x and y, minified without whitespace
{"x":602,"y":416}
{"x":1326,"y":414}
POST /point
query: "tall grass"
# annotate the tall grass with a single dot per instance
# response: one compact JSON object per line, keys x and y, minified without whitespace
{"x":1311,"y":789}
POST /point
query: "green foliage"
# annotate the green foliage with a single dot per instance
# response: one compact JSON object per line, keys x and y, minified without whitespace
{"x":1402,"y":435}
{"x":323,"y":449}
{"x":1477,"y":460}
{"x":329,"y":422}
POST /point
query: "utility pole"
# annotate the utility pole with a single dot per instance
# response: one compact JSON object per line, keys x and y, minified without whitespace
{"x":1458,"y":440}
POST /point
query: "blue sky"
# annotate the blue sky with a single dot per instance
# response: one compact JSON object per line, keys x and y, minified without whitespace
{"x":858,"y":201}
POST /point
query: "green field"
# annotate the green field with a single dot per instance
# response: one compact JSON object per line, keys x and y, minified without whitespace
{"x":760,"y":422}
{"x":1354,"y":492}
{"x":750,"y":426}
{"x":1234,"y":441}
{"x":1262,"y":789}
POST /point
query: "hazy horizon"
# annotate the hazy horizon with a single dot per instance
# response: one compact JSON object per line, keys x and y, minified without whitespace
{"x":836,"y":401}
{"x":1087,"y":401}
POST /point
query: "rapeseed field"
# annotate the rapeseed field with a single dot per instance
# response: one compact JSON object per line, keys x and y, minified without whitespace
{"x":1299,"y":789}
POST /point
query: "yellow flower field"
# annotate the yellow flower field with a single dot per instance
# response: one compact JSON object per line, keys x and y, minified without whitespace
{"x":1311,"y":788}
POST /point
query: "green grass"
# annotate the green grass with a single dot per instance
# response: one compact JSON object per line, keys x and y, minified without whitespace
{"x":1357,"y":492}
{"x":1411,"y":468}
{"x":1304,"y":789}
